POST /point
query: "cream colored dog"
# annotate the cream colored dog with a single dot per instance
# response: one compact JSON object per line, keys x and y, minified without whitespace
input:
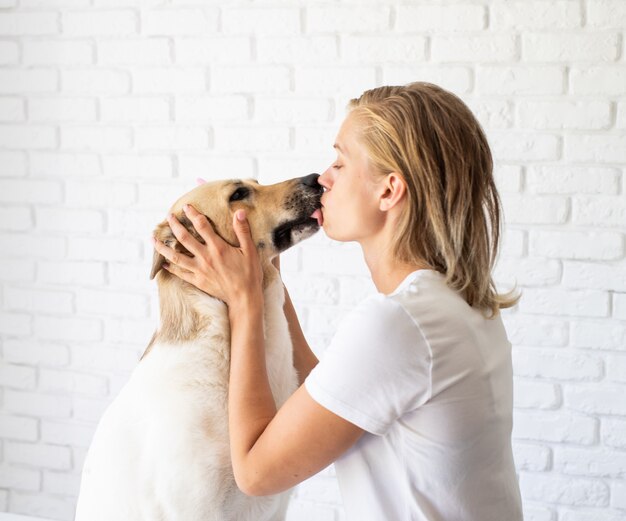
{"x":161,"y":450}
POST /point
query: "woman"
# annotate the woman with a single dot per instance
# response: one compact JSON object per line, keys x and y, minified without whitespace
{"x":413,"y":397}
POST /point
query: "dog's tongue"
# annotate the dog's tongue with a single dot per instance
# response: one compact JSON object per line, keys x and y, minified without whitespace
{"x":317,"y":214}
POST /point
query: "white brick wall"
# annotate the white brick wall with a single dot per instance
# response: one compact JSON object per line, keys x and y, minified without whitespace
{"x":109,"y":109}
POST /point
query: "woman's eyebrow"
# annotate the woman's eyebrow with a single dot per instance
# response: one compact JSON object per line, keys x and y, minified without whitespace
{"x":338,"y":147}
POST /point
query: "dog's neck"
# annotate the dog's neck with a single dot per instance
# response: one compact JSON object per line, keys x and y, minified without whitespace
{"x":188,"y":314}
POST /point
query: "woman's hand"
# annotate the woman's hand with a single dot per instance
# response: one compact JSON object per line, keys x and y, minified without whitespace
{"x":216,"y":268}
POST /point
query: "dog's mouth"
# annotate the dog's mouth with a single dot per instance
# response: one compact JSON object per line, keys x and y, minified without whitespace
{"x":289,"y":233}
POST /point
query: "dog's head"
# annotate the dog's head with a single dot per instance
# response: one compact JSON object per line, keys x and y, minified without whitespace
{"x":280,"y":215}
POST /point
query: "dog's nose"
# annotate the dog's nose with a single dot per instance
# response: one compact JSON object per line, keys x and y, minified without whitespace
{"x":310,"y":180}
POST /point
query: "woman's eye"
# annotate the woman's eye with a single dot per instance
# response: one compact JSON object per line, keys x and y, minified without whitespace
{"x":337,"y":167}
{"x":240,"y":193}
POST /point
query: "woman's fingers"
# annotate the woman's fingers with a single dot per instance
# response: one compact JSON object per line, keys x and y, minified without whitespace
{"x":242,"y":230}
{"x":183,"y":235}
{"x":201,"y":224}
{"x":171,"y":255}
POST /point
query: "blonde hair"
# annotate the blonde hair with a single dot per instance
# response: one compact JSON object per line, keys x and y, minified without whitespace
{"x":452,"y":219}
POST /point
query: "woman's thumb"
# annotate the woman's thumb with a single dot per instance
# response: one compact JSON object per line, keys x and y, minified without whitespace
{"x":242,"y":230}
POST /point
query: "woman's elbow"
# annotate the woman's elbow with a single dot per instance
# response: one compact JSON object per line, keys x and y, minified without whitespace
{"x":249,"y":483}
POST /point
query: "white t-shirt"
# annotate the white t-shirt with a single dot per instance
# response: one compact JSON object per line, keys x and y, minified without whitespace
{"x":430,"y":380}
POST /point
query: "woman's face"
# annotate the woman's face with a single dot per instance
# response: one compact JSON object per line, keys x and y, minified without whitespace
{"x":350,"y":203}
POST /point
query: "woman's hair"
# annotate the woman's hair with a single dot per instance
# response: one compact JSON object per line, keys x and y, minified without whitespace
{"x":453,"y":216}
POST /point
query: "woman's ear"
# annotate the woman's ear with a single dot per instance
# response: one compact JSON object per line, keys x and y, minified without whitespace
{"x":393,"y":188}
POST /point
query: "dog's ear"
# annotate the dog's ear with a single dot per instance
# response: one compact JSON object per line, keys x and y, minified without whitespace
{"x":164,"y":233}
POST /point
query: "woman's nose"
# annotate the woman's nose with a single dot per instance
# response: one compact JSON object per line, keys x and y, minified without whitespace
{"x":325,"y":179}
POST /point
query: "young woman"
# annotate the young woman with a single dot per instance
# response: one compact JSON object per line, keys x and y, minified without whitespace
{"x":412,"y":399}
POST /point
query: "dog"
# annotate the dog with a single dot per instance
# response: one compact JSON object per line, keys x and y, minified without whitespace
{"x":161,"y":449}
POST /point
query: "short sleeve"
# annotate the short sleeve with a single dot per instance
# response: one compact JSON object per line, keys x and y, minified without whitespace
{"x":376,"y":368}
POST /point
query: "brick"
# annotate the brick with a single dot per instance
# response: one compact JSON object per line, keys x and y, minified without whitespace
{"x":31,"y":24}
{"x":579,"y":245}
{"x":258,"y":80}
{"x":24,"y":299}
{"x":151,"y":51}
{"x":103,"y":249}
{"x":30,"y":191}
{"x":591,"y":515}
{"x":296,"y":111}
{"x":368,"y":49}
{"x":19,"y":478}
{"x":70,"y":220}
{"x":60,"y":483}
{"x":616,"y":365}
{"x":578,"y":47}
{"x":200,"y":51}
{"x":439,"y":18}
{"x":180,"y":21}
{"x":70,"y":432}
{"x":613,"y":432}
{"x":595,"y":148}
{"x":72,"y":382}
{"x":38,"y":455}
{"x":535,"y":331}
{"x":619,"y":306}
{"x":513,"y":243}
{"x":68,"y":329}
{"x":564,"y":490}
{"x":136,"y":166}
{"x":347,"y":82}
{"x":555,"y":426}
{"x":534,"y":209}
{"x":564,"y":114}
{"x":9,"y":53}
{"x":130,"y":330}
{"x":316,"y":139}
{"x":605,"y":211}
{"x":211,"y":108}
{"x":168,"y":81}
{"x":35,"y":353}
{"x":39,"y":505}
{"x":32,"y":245}
{"x":28,"y":136}
{"x":524,"y":146}
{"x":621,"y":115}
{"x":593,"y":275}
{"x":214,"y":167}
{"x":95,"y":81}
{"x":572,"y":179}
{"x":265,"y":20}
{"x":18,"y":428}
{"x":99,"y":23}
{"x":83,"y":273}
{"x":171,"y":137}
{"x":18,"y":377}
{"x":260,"y":139}
{"x":492,"y":114}
{"x":527,"y":272}
{"x":55,"y":52}
{"x":599,"y":335}
{"x":110,"y":303}
{"x":16,"y":218}
{"x":15,"y":324}
{"x":313,"y":49}
{"x":12,"y":164}
{"x":490,"y":48}
{"x":557,"y":364}
{"x":606,"y":14}
{"x":593,"y":399}
{"x":346,"y":19}
{"x":299,"y":510}
{"x":27,"y":81}
{"x":62,"y":109}
{"x":89,"y":409}
{"x":133,"y":223}
{"x":599,"y":80}
{"x":64,"y":164}
{"x":618,"y":494}
{"x":535,"y":395}
{"x":134,"y":109}
{"x":457,"y":79}
{"x":533,"y":458}
{"x":14,"y":270}
{"x":557,"y":301}
{"x":37,"y":404}
{"x":11,"y":110}
{"x":82,"y":137}
{"x":520,"y":80}
{"x":535,"y":15}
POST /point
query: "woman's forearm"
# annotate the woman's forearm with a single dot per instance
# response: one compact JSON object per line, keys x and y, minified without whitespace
{"x":251,"y":405}
{"x":304,"y":360}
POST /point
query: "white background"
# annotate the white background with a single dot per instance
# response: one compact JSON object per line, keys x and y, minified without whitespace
{"x":109,"y":110}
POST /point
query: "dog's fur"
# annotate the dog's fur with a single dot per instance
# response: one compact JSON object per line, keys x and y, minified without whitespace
{"x":161,"y":450}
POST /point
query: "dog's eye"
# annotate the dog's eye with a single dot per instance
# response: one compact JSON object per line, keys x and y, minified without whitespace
{"x":240,"y":193}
